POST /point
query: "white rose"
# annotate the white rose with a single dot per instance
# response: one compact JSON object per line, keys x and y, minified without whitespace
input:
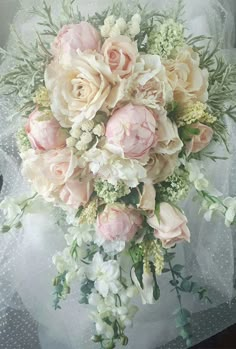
{"x":78,"y":88}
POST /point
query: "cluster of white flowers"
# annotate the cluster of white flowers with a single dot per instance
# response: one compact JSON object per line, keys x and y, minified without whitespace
{"x":212,"y":202}
{"x":82,"y":135}
{"x":114,"y":168}
{"x":114,"y":27}
{"x":69,"y":260}
{"x":110,"y":297}
{"x":196,"y":176}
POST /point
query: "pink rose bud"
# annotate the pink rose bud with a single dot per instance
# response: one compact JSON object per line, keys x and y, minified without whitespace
{"x":133,"y":128}
{"x":171,"y":227}
{"x":76,"y":193}
{"x":200,"y":141}
{"x":82,"y":36}
{"x":117,"y":222}
{"x":44,"y":132}
{"x":120,"y":54}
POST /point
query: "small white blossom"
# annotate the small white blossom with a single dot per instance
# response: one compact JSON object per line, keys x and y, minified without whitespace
{"x":86,"y":138}
{"x":76,"y":132}
{"x":10,"y":207}
{"x":136,"y":18}
{"x":87,"y":125}
{"x":121,"y":24}
{"x":105,"y":274}
{"x":134,"y":29}
{"x":105,"y":31}
{"x":230,"y":214}
{"x":81,"y":146}
{"x":99,"y":130}
{"x":70,"y":142}
{"x":110,"y":20}
{"x":115,"y":31}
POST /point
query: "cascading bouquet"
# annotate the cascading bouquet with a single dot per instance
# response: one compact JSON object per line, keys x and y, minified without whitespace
{"x":118,"y":113}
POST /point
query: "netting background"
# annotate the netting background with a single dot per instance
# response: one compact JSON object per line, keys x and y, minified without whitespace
{"x":27,"y":318}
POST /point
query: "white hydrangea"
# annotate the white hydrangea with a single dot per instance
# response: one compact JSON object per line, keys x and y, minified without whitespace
{"x":113,"y":167}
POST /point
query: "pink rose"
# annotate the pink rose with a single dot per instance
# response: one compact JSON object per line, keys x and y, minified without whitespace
{"x":120,"y":54}
{"x":118,"y":222}
{"x":171,"y":227}
{"x":76,"y":193}
{"x":82,"y":36}
{"x":133,"y":129}
{"x":44,"y":132}
{"x":200,"y":141}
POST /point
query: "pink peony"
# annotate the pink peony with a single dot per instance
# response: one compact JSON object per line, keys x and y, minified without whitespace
{"x":76,"y":193}
{"x":118,"y":222}
{"x":200,"y":141}
{"x":44,"y":132}
{"x":171,"y":227}
{"x":133,"y":129}
{"x":73,"y":37}
{"x":120,"y":54}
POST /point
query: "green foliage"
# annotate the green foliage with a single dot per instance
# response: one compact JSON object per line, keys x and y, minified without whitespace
{"x":61,"y":289}
{"x":156,"y":289}
{"x":86,"y":289}
{"x":27,"y":75}
{"x":138,"y":269}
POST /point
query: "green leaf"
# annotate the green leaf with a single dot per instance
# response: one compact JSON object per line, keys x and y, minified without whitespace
{"x":138,"y":268}
{"x":186,"y":285}
{"x":177,"y":268}
{"x":157,"y":212}
{"x":169,"y":256}
{"x":165,"y":270}
{"x":174,"y":282}
{"x":185,"y":332}
{"x":156,"y":289}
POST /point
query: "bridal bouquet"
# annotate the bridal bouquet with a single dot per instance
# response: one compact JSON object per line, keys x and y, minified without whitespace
{"x":119,"y":110}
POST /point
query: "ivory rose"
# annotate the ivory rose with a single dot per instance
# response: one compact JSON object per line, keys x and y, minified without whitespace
{"x":133,"y":129}
{"x":118,"y":222}
{"x":147,"y":199}
{"x":47,"y":171}
{"x":200,"y":141}
{"x":170,"y":227}
{"x":120,"y":54}
{"x":161,"y":166}
{"x":149,"y":84}
{"x":189,"y":82}
{"x":76,"y":193}
{"x":44,"y":132}
{"x":78,"y":89}
{"x":82,"y":36}
{"x":168,"y":141}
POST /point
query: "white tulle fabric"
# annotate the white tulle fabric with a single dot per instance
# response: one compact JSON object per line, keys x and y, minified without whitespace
{"x":27,"y":318}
